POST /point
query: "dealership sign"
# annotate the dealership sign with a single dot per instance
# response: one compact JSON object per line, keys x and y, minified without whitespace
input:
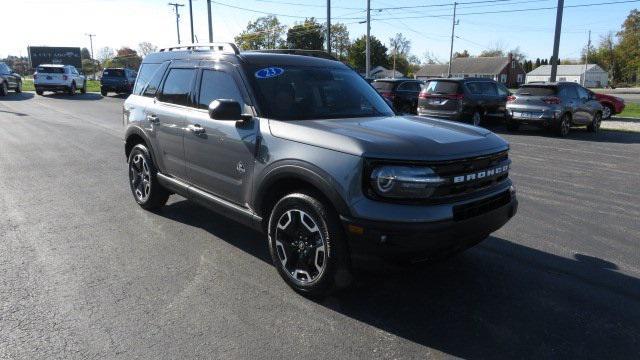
{"x":55,"y":55}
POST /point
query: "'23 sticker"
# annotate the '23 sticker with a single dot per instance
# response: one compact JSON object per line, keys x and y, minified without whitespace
{"x":269,"y":72}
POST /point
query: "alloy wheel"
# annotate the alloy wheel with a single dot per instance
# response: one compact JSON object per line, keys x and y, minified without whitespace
{"x":606,"y":112}
{"x":300,"y":246}
{"x":597,"y":121}
{"x":565,"y":126}
{"x":140,"y":178}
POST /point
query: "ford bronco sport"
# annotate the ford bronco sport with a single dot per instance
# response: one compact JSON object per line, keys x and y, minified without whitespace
{"x":301,"y":147}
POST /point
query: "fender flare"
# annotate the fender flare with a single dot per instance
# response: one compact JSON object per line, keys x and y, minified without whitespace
{"x":298,"y":170}
{"x":135,"y":130}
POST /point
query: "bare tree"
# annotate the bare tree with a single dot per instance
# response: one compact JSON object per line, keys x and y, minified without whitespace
{"x":106,"y":53}
{"x":145,"y":48}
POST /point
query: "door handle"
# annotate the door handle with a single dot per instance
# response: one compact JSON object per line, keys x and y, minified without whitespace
{"x":196,"y":129}
{"x":153,"y":119}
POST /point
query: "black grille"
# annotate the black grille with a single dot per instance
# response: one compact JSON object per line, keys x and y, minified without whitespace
{"x":466,"y":211}
{"x":465,"y":166}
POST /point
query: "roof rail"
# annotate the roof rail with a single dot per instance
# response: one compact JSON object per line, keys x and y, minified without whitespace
{"x":313,"y":53}
{"x":215,"y":46}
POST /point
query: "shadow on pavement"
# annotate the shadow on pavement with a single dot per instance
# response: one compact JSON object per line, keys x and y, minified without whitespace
{"x":78,"y":96}
{"x":12,"y":96}
{"x":579,"y":134}
{"x":497,"y":300}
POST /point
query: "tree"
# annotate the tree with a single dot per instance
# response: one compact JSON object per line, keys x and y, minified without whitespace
{"x":414,"y":65}
{"x":491,"y":53}
{"x":264,"y":33}
{"x":105,"y":54}
{"x":517,"y":54}
{"x":463,"y":54}
{"x":431,"y":58}
{"x":308,"y":36}
{"x":607,"y":57}
{"x":538,"y":63}
{"x":356,"y":57}
{"x":125,"y":57}
{"x":628,"y":48}
{"x":84,"y":53}
{"x":400,"y":44}
{"x":145,"y":48}
{"x":340,"y":40}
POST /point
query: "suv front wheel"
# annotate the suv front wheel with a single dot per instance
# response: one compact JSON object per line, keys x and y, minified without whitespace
{"x":146,"y":189}
{"x":307,"y":245}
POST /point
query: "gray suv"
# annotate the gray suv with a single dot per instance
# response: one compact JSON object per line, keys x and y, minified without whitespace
{"x":554,"y":106}
{"x":302,"y":148}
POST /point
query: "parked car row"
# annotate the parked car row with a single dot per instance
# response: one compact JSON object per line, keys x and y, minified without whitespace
{"x":9,"y":80}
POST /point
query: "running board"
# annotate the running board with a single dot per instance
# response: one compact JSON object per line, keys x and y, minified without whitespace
{"x":221,"y":206}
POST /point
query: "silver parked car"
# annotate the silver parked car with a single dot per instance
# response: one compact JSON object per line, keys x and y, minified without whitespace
{"x":557,"y":106}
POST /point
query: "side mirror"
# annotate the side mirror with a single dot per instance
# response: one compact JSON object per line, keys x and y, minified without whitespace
{"x":225,"y":109}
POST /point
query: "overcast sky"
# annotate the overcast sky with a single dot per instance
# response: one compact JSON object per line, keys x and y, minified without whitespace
{"x":119,"y":23}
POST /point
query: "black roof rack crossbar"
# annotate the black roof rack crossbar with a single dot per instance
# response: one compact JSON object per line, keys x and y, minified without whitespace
{"x":215,"y":46}
{"x":313,"y":53}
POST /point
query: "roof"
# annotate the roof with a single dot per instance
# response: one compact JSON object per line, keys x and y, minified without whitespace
{"x":396,"y":80}
{"x":564,"y":70}
{"x":53,"y":65}
{"x":468,"y":65}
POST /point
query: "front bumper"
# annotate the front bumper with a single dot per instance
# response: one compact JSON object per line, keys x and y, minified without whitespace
{"x":471,"y":223}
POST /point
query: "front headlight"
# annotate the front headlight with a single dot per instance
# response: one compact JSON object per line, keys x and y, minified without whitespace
{"x":404,"y":182}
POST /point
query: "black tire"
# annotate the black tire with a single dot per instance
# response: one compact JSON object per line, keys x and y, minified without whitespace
{"x":476,"y":118}
{"x":146,"y":189}
{"x":320,"y":251}
{"x":72,"y":89}
{"x":84,"y":87}
{"x":594,"y":127}
{"x":104,"y":92}
{"x":513,"y":125}
{"x":18,"y":89}
{"x":4,"y":90}
{"x":607,"y":112}
{"x":39,"y":91}
{"x":562,"y":127}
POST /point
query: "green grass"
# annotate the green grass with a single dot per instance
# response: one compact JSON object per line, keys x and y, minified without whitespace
{"x":92,"y":85}
{"x":632,"y":110}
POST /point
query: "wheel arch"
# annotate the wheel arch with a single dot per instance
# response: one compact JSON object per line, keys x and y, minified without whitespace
{"x":133,"y":137}
{"x":294,"y":176}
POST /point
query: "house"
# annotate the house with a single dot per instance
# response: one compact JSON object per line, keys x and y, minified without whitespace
{"x":595,"y":75}
{"x":500,"y":68}
{"x":380,"y":72}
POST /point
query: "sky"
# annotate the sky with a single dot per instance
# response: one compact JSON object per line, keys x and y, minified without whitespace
{"x":426,"y":23}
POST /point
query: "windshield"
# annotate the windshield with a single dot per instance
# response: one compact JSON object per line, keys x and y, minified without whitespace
{"x":305,"y":93}
{"x":383,"y":85}
{"x":442,"y":87}
{"x":536,"y":91}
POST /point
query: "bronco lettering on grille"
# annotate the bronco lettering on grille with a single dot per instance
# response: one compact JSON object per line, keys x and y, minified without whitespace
{"x":481,"y":174}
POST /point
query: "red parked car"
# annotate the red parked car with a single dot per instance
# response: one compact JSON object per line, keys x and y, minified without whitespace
{"x":611,"y":105}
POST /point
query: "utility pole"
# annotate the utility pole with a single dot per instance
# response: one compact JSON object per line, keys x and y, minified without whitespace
{"x":91,"y":45}
{"x":176,"y":6}
{"x":368,"y":47}
{"x":556,"y":41}
{"x":586,"y":61}
{"x":191,"y":20}
{"x":329,"y":26}
{"x":453,"y":31}
{"x":210,"y":22}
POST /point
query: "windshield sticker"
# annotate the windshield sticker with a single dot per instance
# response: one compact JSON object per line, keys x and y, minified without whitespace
{"x":269,"y":72}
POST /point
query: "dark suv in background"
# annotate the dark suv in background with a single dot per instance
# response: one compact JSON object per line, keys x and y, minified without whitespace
{"x":554,"y":106}
{"x":9,"y":80}
{"x":463,"y":99}
{"x":402,"y":93}
{"x":117,"y":80}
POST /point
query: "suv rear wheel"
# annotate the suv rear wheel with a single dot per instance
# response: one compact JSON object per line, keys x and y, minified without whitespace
{"x":84,"y":88}
{"x":72,"y":88}
{"x":595,"y":124}
{"x":563,"y":126}
{"x":307,"y":245}
{"x":146,"y":189}
{"x":19,"y":87}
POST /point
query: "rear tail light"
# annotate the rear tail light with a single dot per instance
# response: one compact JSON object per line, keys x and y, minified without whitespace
{"x":388,"y":95}
{"x":551,"y":100}
{"x":64,"y":77}
{"x":424,"y":95}
{"x":511,"y":98}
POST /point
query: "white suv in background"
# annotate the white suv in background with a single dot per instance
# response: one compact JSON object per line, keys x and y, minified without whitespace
{"x":54,"y":77}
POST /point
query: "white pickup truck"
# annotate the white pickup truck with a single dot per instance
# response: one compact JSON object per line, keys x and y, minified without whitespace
{"x":54,"y":77}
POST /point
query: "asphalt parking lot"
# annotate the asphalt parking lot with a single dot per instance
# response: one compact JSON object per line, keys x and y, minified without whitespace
{"x":86,"y":273}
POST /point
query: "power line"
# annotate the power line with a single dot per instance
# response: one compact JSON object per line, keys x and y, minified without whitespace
{"x":281,"y":15}
{"x":511,"y":10}
{"x":440,"y":5}
{"x":309,"y":5}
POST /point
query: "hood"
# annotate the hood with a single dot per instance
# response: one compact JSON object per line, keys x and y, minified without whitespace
{"x":393,"y":137}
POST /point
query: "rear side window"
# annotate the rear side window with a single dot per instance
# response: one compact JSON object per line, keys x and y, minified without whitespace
{"x":442,"y":87}
{"x":217,"y":85}
{"x":537,"y":91}
{"x":50,"y":70}
{"x":113,"y":73}
{"x":383,"y":85}
{"x":568,"y":92}
{"x":177,"y":86}
{"x":146,"y":73}
{"x":488,"y":88}
{"x":474,"y":88}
